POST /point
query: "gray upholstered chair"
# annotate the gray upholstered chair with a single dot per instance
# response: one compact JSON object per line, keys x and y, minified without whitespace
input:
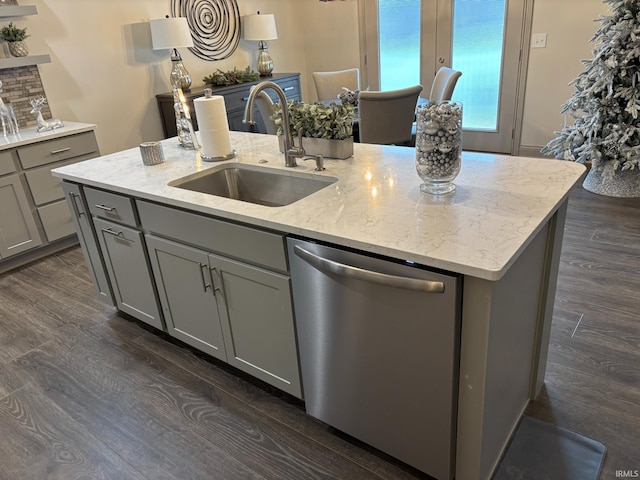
{"x":443,"y":84}
{"x":387,"y":117}
{"x":329,"y":84}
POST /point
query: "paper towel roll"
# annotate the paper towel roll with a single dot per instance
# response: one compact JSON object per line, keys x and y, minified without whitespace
{"x":214,"y":127}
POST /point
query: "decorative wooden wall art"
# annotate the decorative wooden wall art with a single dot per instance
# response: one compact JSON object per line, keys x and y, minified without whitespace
{"x":214,"y":25}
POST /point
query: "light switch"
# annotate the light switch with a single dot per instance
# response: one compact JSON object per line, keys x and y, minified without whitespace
{"x":539,"y":40}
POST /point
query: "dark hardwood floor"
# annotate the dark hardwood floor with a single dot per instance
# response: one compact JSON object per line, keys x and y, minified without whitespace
{"x":86,"y":393}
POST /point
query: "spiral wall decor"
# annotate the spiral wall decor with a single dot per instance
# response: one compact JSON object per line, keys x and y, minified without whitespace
{"x":214,"y":25}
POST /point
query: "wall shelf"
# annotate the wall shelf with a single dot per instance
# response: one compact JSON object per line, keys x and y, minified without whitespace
{"x":24,"y":61}
{"x":17,"y":11}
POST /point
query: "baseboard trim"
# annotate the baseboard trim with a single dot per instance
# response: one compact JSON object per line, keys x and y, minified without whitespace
{"x":531,"y":151}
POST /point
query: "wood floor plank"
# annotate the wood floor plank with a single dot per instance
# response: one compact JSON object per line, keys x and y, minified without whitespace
{"x":153,"y":398}
{"x":43,"y":442}
{"x":107,"y":405}
{"x":276,"y":405}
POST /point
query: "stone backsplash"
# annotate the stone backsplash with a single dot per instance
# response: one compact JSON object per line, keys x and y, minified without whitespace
{"x":19,"y":85}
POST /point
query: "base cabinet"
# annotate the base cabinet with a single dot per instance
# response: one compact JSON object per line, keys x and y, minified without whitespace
{"x":226,"y":290}
{"x":126,"y":262}
{"x":35,"y":220}
{"x":88,"y":242}
{"x":185,"y":287}
{"x":257,"y":322}
{"x":18,"y":231}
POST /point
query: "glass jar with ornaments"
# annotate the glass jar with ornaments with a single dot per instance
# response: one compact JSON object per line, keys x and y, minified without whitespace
{"x":439,"y":145}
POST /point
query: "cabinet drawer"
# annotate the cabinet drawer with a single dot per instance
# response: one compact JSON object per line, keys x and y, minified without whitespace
{"x":57,"y":149}
{"x":243,"y":243}
{"x":236,"y":100}
{"x":111,"y":206}
{"x":56,"y":220}
{"x":291,"y":88}
{"x":45,"y":187}
{"x":7,"y":164}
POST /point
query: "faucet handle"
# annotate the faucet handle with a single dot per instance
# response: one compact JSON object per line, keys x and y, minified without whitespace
{"x":319,"y":161}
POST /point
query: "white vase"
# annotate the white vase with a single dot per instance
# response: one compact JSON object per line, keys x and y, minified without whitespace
{"x":604,"y":180}
{"x":18,"y":49}
{"x":339,"y":149}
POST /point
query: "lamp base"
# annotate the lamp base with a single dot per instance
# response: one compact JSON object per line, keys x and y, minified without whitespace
{"x":179,"y":75}
{"x":264,"y":64}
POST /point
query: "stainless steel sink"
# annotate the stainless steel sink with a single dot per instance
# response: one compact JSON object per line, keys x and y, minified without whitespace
{"x":248,"y":183}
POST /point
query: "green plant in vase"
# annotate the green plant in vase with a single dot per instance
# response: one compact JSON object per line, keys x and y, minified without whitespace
{"x":15,"y":37}
{"x":326,"y":129}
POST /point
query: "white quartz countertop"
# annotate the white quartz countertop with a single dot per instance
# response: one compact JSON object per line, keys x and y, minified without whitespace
{"x":501,"y":202}
{"x":29,"y":135}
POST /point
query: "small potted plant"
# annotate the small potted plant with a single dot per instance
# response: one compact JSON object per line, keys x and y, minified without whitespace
{"x":15,"y":37}
{"x":326,"y":129}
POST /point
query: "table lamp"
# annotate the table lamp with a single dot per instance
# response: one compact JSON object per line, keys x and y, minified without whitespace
{"x":173,"y":33}
{"x":261,"y":27}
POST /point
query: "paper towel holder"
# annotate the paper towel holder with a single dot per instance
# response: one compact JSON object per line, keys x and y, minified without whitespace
{"x":229,"y":156}
{"x":208,"y":93}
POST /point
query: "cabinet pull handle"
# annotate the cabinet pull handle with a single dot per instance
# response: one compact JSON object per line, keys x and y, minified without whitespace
{"x":104,"y":207}
{"x":60,"y":150}
{"x":214,"y":275}
{"x":204,"y":282}
{"x":288,"y":89}
{"x":114,"y":233}
{"x":245,"y":99}
{"x":74,"y":205}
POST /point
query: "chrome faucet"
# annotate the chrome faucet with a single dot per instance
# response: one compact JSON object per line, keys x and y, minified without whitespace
{"x":291,"y":152}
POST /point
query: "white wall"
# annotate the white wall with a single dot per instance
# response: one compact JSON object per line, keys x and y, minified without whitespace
{"x":569,"y":24}
{"x":103,"y":70}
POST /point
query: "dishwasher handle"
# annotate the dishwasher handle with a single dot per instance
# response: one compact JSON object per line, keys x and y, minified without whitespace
{"x":406,"y":283}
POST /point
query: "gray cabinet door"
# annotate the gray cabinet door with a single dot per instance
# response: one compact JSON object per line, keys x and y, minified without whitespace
{"x":124,"y":255}
{"x":185,"y":288}
{"x":257,"y":321}
{"x":18,"y":231}
{"x":88,"y":241}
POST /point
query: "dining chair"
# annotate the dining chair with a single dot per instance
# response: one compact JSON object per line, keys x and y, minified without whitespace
{"x":329,"y":84}
{"x":387,"y":117}
{"x":265,"y":107}
{"x":443,"y":84}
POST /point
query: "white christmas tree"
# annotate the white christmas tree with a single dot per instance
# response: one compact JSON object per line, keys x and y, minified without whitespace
{"x":606,"y":103}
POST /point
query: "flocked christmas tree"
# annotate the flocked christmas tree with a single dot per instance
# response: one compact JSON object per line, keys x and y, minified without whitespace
{"x":606,"y":103}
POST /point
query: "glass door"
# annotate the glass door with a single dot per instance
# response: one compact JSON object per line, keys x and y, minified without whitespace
{"x":406,"y":41}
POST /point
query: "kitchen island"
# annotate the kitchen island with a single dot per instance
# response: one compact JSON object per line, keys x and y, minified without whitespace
{"x":501,"y":231}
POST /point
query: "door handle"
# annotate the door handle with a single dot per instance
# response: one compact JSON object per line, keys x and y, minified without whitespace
{"x":74,"y":205}
{"x":407,"y":283}
{"x":206,"y":285}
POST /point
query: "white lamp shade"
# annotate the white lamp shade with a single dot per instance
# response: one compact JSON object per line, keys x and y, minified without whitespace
{"x":170,"y":33}
{"x":260,"y":27}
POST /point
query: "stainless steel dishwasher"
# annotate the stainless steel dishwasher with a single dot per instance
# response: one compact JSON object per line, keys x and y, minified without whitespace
{"x":379,"y":348}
